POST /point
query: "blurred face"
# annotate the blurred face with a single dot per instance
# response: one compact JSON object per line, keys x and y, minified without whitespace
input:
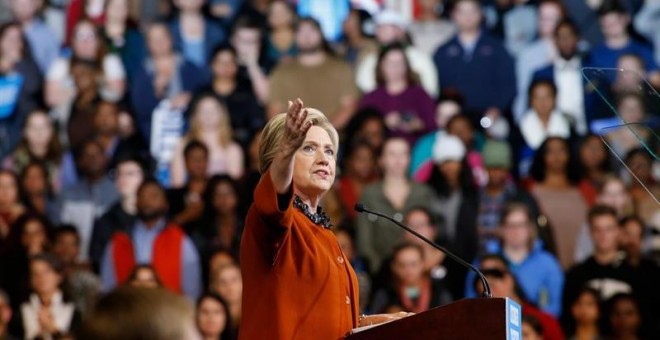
{"x":5,"y":313}
{"x":408,"y":266}
{"x":197,"y":162}
{"x":528,"y":332}
{"x":106,"y":120}
{"x":189,"y":5}
{"x":372,"y":131}
{"x":549,"y":16}
{"x":117,"y":10}
{"x":24,"y":10}
{"x":516,"y":230}
{"x":159,"y":41}
{"x":38,"y":130}
{"x":631,"y":78}
{"x":632,"y":235}
{"x":418,"y":221}
{"x":630,"y":63}
{"x":11,"y":43}
{"x":593,"y":153}
{"x":641,"y":165}
{"x":556,"y":157}
{"x":66,"y":247}
{"x":543,"y":100}
{"x":462,"y":128}
{"x":497,"y":177}
{"x":43,"y":278}
{"x":229,"y":284}
{"x":362,"y":162}
{"x":467,"y":15}
{"x":585,"y":309}
{"x":567,"y":42}
{"x":247,"y":42}
{"x":85,"y":42}
{"x":211,"y":318}
{"x":499,"y":286}
{"x":145,"y":278}
{"x":445,"y":111}
{"x":346,"y":244}
{"x":128,"y":180}
{"x":613,"y":24}
{"x":625,"y":318}
{"x":224,"y":65}
{"x":395,"y":158}
{"x":387,"y":34}
{"x":279,"y":15}
{"x":219,"y":260}
{"x":614,"y":195}
{"x":151,"y":202}
{"x":208,"y":114}
{"x":225,"y":200}
{"x":394,"y":66}
{"x":605,"y":234}
{"x":34,"y":236}
{"x":308,"y":38}
{"x":93,"y":160}
{"x":451,"y":170}
{"x":351,"y":26}
{"x":315,"y":162}
{"x":8,"y":190}
{"x":35,"y":180}
{"x":631,"y":110}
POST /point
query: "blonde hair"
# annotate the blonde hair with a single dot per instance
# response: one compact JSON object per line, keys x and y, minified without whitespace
{"x":273,"y":135}
{"x":225,"y":132}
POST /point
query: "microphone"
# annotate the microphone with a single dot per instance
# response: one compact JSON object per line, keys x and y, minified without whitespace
{"x":484,"y":282}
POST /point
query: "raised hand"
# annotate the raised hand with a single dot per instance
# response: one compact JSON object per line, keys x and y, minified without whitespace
{"x":296,"y":125}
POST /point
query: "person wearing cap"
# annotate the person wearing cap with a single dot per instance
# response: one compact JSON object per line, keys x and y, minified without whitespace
{"x":391,"y":28}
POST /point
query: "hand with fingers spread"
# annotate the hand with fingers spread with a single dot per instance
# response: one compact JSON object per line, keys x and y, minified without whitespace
{"x":296,"y":126}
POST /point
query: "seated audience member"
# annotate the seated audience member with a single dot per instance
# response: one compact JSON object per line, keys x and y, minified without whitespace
{"x":359,"y":170}
{"x":336,"y":96}
{"x":186,"y":202}
{"x":153,"y":240}
{"x":280,"y":42}
{"x":129,"y":172}
{"x":253,"y":65}
{"x":246,"y":114}
{"x":393,"y":195}
{"x":461,"y":127}
{"x":194,"y":34}
{"x":39,"y":142}
{"x":38,"y":194}
{"x":448,"y":106}
{"x":220,"y":225}
{"x":47,"y":314}
{"x":106,"y":127}
{"x":431,"y":29}
{"x":367,"y":125}
{"x":391,"y":28}
{"x":540,"y":121}
{"x":164,"y":77}
{"x":565,"y":72}
{"x":227,"y":282}
{"x":212,"y":318}
{"x":209,"y":124}
{"x":43,"y":42}
{"x":21,"y":84}
{"x":412,"y":288}
{"x":643,"y":189}
{"x":139,"y":313}
{"x":595,"y":160}
{"x":624,"y":319}
{"x":477,"y":65}
{"x":503,"y":284}
{"x":584,"y":321}
{"x":122,"y":35}
{"x":90,"y":197}
{"x":531,"y":328}
{"x":631,"y":109}
{"x":356,"y":42}
{"x":405,"y":106}
{"x":424,"y":222}
{"x":556,"y":187}
{"x":81,"y":285}
{"x":606,"y":270}
{"x":145,"y":276}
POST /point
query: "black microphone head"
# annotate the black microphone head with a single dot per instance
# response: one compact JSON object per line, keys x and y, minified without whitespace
{"x":359,"y":207}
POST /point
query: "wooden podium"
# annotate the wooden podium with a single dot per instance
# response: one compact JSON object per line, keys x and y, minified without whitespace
{"x":467,"y":319}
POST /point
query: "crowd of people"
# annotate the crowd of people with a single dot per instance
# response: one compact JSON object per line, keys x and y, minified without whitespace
{"x":130,"y":133}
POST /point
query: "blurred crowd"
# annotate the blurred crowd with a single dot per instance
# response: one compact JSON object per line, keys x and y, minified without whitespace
{"x":129,"y":134}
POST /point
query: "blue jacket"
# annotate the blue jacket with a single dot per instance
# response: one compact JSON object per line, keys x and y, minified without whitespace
{"x":540,"y":277}
{"x":214,"y":36}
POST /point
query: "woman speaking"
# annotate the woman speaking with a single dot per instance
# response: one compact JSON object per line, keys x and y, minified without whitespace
{"x":297,"y":283}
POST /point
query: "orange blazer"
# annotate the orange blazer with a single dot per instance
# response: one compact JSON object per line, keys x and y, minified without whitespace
{"x":297,"y":283}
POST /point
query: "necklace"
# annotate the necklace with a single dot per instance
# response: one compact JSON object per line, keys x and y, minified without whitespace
{"x":319,"y":218}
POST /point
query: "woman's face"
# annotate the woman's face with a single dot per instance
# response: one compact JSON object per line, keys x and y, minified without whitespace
{"x":408,"y":266}
{"x":43,"y":278}
{"x":625,"y":318}
{"x":445,"y":111}
{"x":229,"y":285}
{"x":8,"y":190}
{"x":593,"y":153}
{"x":373,"y":132}
{"x":362,"y":162}
{"x":159,"y":41}
{"x":225,"y":200}
{"x":395,"y":158}
{"x":117,"y":10}
{"x":516,"y":230}
{"x":462,"y":128}
{"x":543,"y":100}
{"x":35,"y":180}
{"x":315,"y":162}
{"x":145,"y":278}
{"x":393,"y":66}
{"x":556,"y":156}
{"x":614,"y":194}
{"x":85,"y":42}
{"x":208,"y":114}
{"x":631,"y":110}
{"x":279,"y":15}
{"x":34,"y":236}
{"x":11,"y":43}
{"x":585,"y":309}
{"x":224,"y":65}
{"x":451,"y":170}
{"x":129,"y":177}
{"x":211,"y":318}
{"x":38,"y":130}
